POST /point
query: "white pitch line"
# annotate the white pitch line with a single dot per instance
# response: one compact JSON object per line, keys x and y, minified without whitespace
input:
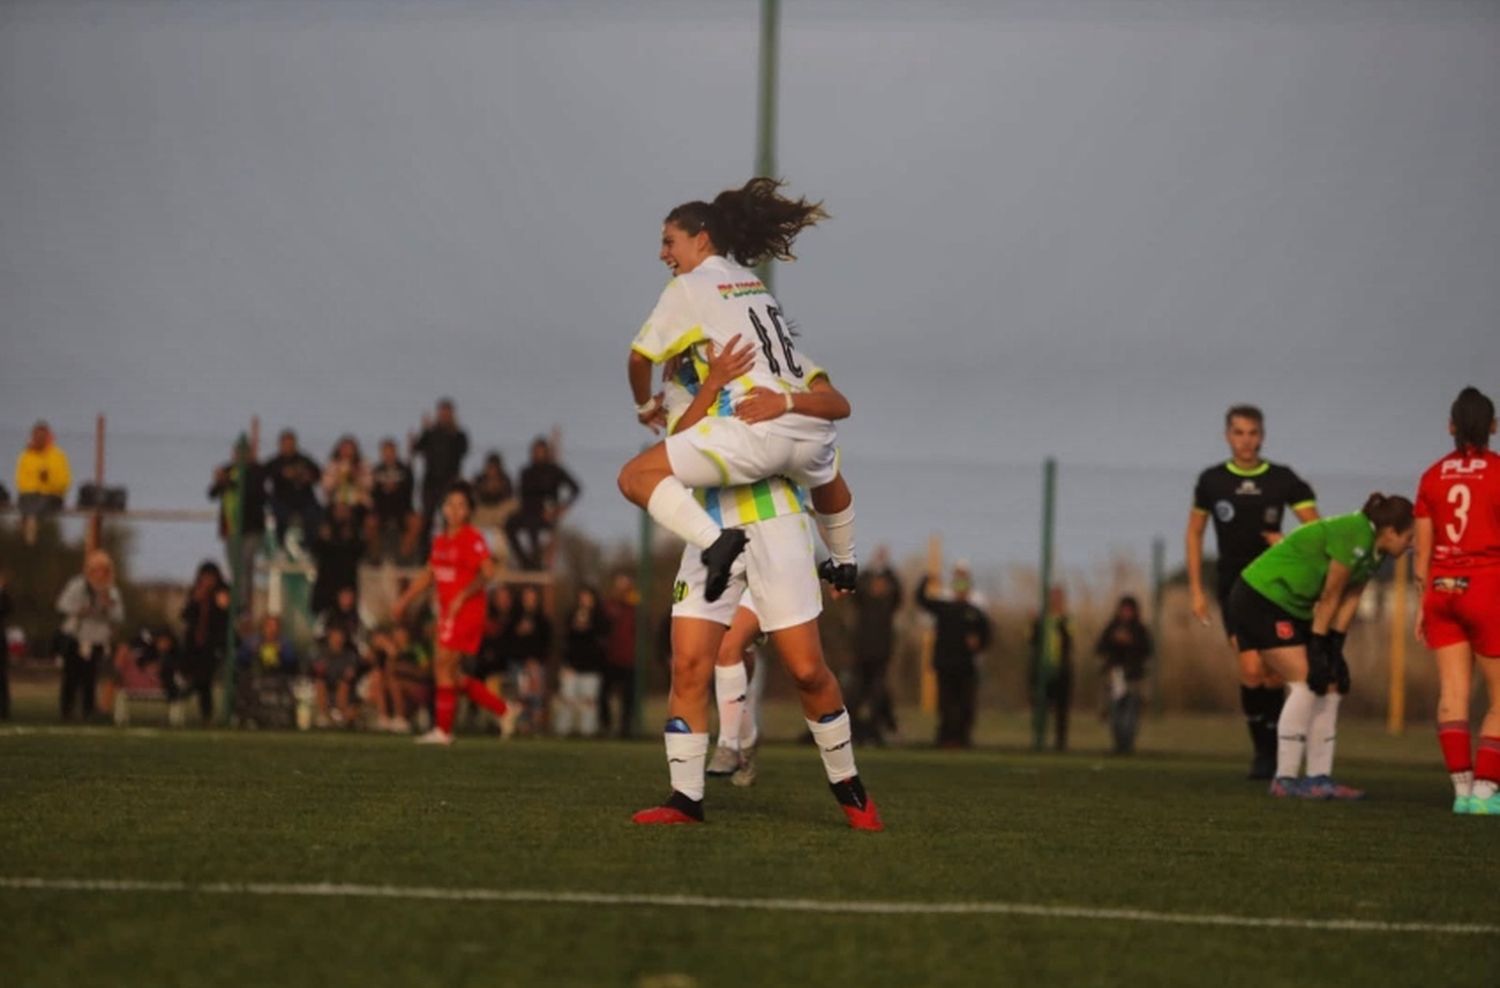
{"x":833,"y":906}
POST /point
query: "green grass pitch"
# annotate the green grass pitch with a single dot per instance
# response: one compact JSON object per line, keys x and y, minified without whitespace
{"x":1165,"y":833}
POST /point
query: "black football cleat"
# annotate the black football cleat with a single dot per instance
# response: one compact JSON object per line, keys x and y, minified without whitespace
{"x":719,"y":559}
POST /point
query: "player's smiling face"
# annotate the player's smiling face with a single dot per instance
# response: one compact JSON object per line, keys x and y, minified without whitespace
{"x":682,"y":251}
{"x":1244,"y":436}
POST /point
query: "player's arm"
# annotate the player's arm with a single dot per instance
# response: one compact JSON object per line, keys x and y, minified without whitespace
{"x":1421,"y":557}
{"x":1331,"y":602}
{"x":821,"y":401}
{"x":1348,"y":607}
{"x":639,"y":369}
{"x":723,"y":366}
{"x":1197,"y":523}
{"x":476,"y":586}
{"x":418,"y":586}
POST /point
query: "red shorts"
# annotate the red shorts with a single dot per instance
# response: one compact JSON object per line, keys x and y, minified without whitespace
{"x":1470,"y":614}
{"x":463,"y":634}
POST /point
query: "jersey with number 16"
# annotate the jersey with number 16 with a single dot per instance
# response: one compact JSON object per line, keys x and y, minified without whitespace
{"x":1461,"y":494}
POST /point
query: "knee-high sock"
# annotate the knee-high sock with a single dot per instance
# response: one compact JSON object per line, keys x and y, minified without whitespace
{"x":730,"y":689}
{"x":675,"y":509}
{"x":1487,"y":767}
{"x":1271,"y":700}
{"x":1291,"y":731}
{"x":750,"y":722}
{"x":686,"y":754}
{"x":443,"y":707}
{"x":1250,"y":704}
{"x":1458,"y":754}
{"x":838,"y":532}
{"x":835,"y":745}
{"x":480,"y":695}
{"x":1322,"y":732}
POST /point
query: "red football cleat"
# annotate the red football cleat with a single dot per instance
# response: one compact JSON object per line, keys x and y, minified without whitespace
{"x":662,"y":814}
{"x":865,"y":819}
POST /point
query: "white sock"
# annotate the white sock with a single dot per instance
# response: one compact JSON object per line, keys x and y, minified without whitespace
{"x":838,"y":532}
{"x":1291,"y":730}
{"x":730,"y":688}
{"x":1322,"y":732}
{"x":750,"y":722}
{"x":1484,"y":788}
{"x":836,"y":745}
{"x":675,"y":509}
{"x":1463,"y":782}
{"x":686,"y":754}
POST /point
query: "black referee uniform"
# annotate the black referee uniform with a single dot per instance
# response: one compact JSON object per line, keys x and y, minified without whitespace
{"x":1245,"y":505}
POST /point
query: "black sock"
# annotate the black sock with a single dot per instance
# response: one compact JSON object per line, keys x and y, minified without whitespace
{"x":850,"y":792}
{"x":692,"y":807}
{"x":1271,"y":700}
{"x":1250,"y":703}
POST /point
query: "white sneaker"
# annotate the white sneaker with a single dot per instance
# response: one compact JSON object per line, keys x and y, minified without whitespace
{"x":398,"y":725}
{"x":724,"y":762}
{"x":435,"y":736}
{"x":745,"y":775}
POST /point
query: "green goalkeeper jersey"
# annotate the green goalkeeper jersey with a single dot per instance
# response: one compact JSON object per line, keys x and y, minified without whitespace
{"x":1291,"y":573}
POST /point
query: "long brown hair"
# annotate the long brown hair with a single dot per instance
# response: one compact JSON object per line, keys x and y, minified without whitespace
{"x":751,"y":224}
{"x":1388,"y":511}
{"x":1472,"y":415}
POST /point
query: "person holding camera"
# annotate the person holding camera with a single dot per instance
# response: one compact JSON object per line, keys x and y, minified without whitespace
{"x":91,"y":609}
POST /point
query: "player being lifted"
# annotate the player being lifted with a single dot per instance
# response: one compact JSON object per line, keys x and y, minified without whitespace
{"x":1457,"y":565}
{"x":461,"y":567}
{"x":713,"y":298}
{"x":781,"y":580}
{"x":1245,"y":496}
{"x":1294,"y":605}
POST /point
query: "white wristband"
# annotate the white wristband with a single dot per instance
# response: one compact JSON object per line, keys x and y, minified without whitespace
{"x":648,"y":407}
{"x":788,"y":401}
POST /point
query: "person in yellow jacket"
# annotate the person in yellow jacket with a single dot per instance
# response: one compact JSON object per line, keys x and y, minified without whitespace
{"x":42,"y":479}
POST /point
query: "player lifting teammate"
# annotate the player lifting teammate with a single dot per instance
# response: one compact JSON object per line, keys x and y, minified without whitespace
{"x":1458,"y":567}
{"x":1245,"y":496}
{"x":714,"y":298}
{"x":461,"y":567}
{"x":1293,"y":605}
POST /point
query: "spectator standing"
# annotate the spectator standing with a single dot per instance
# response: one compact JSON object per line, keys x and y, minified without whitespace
{"x":619,"y":655}
{"x":963,"y":633}
{"x":582,"y":674}
{"x":494,"y":498}
{"x":42,"y":480}
{"x":394,"y":527}
{"x":337,"y":547}
{"x":205,"y":628}
{"x":91,"y":609}
{"x":876,"y":605}
{"x":294,"y":478}
{"x":1124,"y":646}
{"x":1056,"y":663}
{"x":346,"y":479}
{"x":532,"y":640}
{"x":442,"y":445}
{"x":6,"y":607}
{"x":226,"y":489}
{"x":547,"y":492}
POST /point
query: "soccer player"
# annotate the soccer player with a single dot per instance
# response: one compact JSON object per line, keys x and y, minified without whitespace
{"x":1245,"y":496}
{"x":1458,"y":566}
{"x":714,"y":297}
{"x":461,"y":567}
{"x":1294,"y":605}
{"x":781,"y":579}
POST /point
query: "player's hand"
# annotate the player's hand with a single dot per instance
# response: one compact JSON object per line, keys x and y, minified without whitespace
{"x":1272,"y":537}
{"x":655,"y":416}
{"x":1200,"y":607}
{"x":761,"y":405}
{"x":1319,"y":664}
{"x":729,"y":363}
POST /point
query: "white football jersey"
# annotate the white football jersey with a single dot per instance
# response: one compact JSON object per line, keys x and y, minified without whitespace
{"x":715,"y":302}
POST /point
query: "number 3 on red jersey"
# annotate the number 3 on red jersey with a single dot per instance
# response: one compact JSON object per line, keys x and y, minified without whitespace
{"x":1461,"y":494}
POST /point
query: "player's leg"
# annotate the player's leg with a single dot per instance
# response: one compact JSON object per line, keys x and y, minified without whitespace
{"x":1455,"y":668}
{"x":731,"y":689}
{"x":651,"y":480}
{"x":1296,"y":717}
{"x":695,"y":642}
{"x":749,"y":768}
{"x":834,"y":504}
{"x":445,"y":675}
{"x":1484,"y":797}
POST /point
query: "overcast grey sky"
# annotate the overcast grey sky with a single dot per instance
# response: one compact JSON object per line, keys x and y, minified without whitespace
{"x":1076,"y":227}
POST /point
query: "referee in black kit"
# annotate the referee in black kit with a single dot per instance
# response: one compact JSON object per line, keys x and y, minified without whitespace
{"x":1246,"y":496}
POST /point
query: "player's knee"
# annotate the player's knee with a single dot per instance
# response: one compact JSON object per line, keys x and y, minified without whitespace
{"x":810,"y":678}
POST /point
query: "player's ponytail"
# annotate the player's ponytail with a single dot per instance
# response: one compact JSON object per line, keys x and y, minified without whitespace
{"x":1389,"y":511}
{"x":753,"y":223}
{"x":1472,"y":417}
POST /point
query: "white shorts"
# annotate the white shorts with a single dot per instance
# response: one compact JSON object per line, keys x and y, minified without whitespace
{"x":779,"y":582}
{"x":724,"y":452}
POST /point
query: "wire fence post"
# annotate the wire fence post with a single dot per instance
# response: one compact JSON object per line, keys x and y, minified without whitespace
{"x":1041,"y":652}
{"x":239,"y":582}
{"x":1158,"y":591}
{"x":642,"y":626}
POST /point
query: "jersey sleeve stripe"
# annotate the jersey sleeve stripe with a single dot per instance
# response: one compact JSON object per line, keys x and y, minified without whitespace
{"x":1199,"y":511}
{"x":694,"y":335}
{"x":1311,"y":503}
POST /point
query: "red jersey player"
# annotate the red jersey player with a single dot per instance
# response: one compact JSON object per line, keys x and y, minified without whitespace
{"x":1458,"y":567}
{"x":461,"y":567}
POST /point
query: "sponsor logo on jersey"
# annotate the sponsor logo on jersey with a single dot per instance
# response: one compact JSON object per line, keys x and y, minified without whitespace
{"x":1224,"y":511}
{"x":1248,"y":488}
{"x":1285,"y":631}
{"x":1463,"y":468}
{"x":679,"y":591}
{"x":739,"y":289}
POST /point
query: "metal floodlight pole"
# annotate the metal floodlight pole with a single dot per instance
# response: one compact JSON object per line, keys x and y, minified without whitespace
{"x":239,"y":582}
{"x":765,"y":140}
{"x":643,"y":634}
{"x":1158,"y":591}
{"x":1041,"y":652}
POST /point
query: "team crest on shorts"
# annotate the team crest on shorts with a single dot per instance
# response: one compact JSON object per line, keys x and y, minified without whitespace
{"x":1285,"y":631}
{"x":679,"y":591}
